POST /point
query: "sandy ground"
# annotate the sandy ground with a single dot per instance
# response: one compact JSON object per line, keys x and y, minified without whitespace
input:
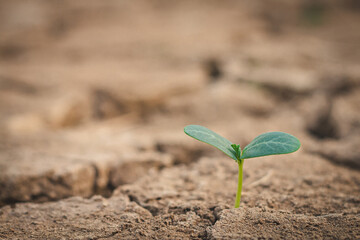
{"x":94,"y":97}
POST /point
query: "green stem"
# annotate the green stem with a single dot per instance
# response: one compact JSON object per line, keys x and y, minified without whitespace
{"x":238,"y":194}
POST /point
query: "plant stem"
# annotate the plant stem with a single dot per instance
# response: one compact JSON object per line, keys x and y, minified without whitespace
{"x":238,"y":194}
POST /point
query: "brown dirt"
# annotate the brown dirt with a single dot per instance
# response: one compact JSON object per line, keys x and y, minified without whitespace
{"x":94,"y":97}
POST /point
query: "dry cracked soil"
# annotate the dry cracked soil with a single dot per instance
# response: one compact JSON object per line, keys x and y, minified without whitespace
{"x":94,"y":96}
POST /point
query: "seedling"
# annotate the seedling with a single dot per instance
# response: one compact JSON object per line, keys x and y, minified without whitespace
{"x":270,"y":143}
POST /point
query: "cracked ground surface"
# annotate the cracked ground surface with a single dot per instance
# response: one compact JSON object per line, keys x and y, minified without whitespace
{"x":94,"y":97}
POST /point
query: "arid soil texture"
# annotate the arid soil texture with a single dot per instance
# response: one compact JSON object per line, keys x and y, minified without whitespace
{"x":94,"y":96}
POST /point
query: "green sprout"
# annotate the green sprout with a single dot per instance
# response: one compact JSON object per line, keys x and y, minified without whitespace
{"x":270,"y":143}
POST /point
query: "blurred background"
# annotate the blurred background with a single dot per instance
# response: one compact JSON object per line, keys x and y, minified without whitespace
{"x":87,"y":86}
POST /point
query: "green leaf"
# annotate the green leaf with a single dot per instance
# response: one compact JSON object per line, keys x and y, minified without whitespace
{"x":237,"y":150}
{"x":207,"y":136}
{"x":270,"y":144}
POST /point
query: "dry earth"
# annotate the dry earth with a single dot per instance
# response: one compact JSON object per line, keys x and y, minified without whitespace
{"x":94,"y":96}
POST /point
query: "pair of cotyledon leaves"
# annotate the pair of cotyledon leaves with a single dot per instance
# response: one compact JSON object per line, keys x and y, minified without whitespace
{"x":270,"y":143}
